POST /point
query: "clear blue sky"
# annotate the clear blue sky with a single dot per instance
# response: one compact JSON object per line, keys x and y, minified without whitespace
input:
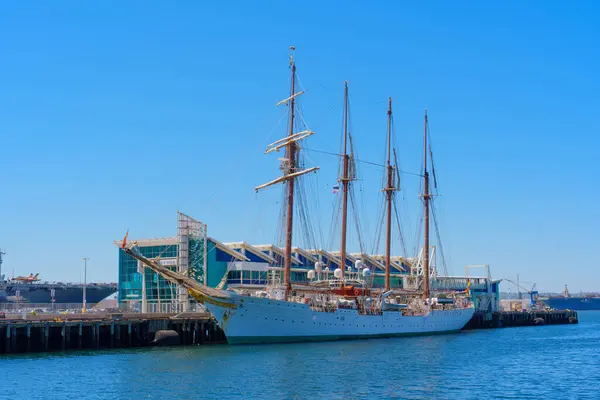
{"x":115,"y":115}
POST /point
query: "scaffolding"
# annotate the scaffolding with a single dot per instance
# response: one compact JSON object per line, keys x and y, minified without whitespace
{"x":415,"y":279}
{"x":192,"y":243}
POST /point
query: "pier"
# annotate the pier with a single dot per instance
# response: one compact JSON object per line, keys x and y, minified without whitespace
{"x":65,"y":332}
{"x":58,"y":332}
{"x":506,"y":319}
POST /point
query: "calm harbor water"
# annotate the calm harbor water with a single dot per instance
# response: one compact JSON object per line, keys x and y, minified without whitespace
{"x":553,"y":362}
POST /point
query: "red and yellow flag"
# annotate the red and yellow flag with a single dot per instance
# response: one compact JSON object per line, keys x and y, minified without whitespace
{"x":125,"y":239}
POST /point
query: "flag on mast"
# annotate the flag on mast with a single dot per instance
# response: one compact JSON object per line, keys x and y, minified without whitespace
{"x":336,"y":188}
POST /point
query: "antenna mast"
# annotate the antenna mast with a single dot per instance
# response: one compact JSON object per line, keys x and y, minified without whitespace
{"x":426,"y":198}
{"x":389,"y":190}
{"x":1,"y":254}
{"x":345,"y":179}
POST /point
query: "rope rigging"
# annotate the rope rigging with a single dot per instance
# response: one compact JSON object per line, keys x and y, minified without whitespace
{"x":310,"y":232}
{"x":400,"y":231}
{"x":380,"y":223}
{"x":356,"y":221}
{"x":433,"y":207}
{"x":439,"y":241}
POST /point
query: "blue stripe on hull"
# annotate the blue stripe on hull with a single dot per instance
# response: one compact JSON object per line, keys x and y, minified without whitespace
{"x":323,"y":338}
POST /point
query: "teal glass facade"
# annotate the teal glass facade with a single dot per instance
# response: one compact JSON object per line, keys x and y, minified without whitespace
{"x":130,"y":281}
{"x":160,"y":290}
{"x":196,"y":258}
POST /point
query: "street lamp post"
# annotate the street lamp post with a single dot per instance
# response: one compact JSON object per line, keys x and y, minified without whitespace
{"x":85,"y":260}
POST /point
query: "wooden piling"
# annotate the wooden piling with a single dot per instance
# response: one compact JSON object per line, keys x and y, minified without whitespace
{"x":118,"y":335}
{"x":28,"y":340}
{"x":7,"y":339}
{"x":112,"y":334}
{"x":195,"y":333}
{"x":46,"y":336}
{"x":129,"y":334}
{"x":97,"y":335}
{"x":63,"y":335}
{"x":69,"y":335}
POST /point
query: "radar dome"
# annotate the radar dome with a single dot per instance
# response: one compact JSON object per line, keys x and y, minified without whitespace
{"x":311,"y":274}
{"x":358,"y":264}
{"x":366,"y":272}
{"x":337,"y":273}
{"x":318,"y":266}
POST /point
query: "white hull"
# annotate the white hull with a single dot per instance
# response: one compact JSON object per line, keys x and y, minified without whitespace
{"x":261,"y":320}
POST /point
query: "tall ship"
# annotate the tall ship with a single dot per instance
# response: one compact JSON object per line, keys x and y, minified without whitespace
{"x":31,"y":289}
{"x":568,"y":302}
{"x":345,"y":307}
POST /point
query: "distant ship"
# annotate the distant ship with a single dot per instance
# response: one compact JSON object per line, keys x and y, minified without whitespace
{"x":30,"y":289}
{"x":566,"y":302}
{"x":2,"y":291}
{"x":58,"y":293}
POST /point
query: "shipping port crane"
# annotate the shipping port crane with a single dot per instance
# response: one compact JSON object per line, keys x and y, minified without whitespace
{"x":533,"y":293}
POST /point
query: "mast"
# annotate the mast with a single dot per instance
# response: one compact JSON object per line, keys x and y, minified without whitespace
{"x":426,"y":197}
{"x":290,"y":172}
{"x":345,"y":182}
{"x":1,"y":254}
{"x":389,"y":189}
{"x":290,"y":152}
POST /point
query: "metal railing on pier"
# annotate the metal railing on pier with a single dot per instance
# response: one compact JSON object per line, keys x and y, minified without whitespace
{"x":46,"y":307}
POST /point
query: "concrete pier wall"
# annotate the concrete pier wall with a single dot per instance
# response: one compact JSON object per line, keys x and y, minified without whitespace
{"x":503,"y":319}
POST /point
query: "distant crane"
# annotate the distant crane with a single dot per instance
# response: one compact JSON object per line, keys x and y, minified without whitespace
{"x":533,"y":293}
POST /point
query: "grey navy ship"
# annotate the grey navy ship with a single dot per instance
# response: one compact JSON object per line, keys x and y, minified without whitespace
{"x":31,"y":289}
{"x":568,"y":302}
